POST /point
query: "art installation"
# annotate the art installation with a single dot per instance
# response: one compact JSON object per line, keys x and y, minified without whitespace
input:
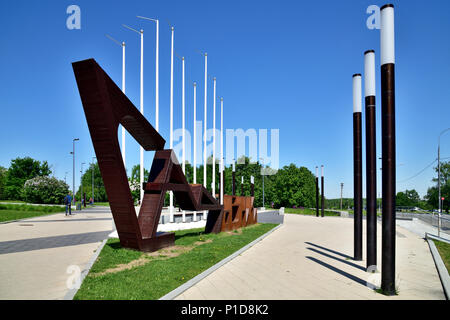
{"x":238,"y":212}
{"x":105,"y":107}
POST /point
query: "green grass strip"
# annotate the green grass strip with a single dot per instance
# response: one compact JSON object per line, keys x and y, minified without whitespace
{"x":9,"y":212}
{"x":161,"y":274}
{"x":444,"y":251}
{"x":311,"y":212}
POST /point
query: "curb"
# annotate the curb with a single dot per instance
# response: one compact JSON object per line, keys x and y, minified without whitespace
{"x":72,"y":292}
{"x":176,"y":292}
{"x":440,"y":266}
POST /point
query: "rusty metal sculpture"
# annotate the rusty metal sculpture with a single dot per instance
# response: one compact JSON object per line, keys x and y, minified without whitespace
{"x":105,"y":107}
{"x":238,"y":212}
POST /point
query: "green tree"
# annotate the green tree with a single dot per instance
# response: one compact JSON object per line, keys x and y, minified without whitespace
{"x":134,"y":181}
{"x":294,"y":186}
{"x":99,"y":187}
{"x":433,"y":192}
{"x":3,"y":173}
{"x":21,"y":170}
{"x":45,"y":190}
{"x":408,"y":198}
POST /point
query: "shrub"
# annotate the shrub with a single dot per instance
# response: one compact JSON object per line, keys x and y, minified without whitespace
{"x":46,"y":190}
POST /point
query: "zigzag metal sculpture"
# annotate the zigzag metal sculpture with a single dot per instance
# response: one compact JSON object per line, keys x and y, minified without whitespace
{"x":105,"y":107}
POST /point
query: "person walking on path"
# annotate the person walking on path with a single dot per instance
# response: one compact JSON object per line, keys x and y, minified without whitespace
{"x":68,"y":203}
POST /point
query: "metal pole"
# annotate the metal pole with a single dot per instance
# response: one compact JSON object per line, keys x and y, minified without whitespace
{"x":205,"y":128}
{"x":141,"y":174}
{"x":93,"y":169}
{"x":171,"y":117}
{"x":342,"y":187}
{"x":233,"y":176}
{"x":323,"y":194}
{"x":157,"y":77}
{"x":214,"y":144}
{"x":242,"y":186}
{"x":317,"y":191}
{"x":183,"y":118}
{"x":73,"y":154}
{"x":221,"y":152}
{"x":252,"y":186}
{"x":387,"y":46}
{"x":357,"y":167}
{"x":371,"y":158}
{"x":194,"y":167}
{"x":439,"y":188}
{"x":81,"y":184}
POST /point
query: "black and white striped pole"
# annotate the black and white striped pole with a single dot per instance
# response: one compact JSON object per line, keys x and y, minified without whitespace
{"x":387,"y":46}
{"x":317,"y":191}
{"x":233,"y":177}
{"x":357,"y":168}
{"x":371,"y":159}
{"x":323,"y":193}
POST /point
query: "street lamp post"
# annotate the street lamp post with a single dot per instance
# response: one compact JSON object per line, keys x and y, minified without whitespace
{"x":81,"y":185}
{"x":214,"y":143}
{"x":262,"y":173}
{"x":439,"y":180}
{"x":317,"y":191}
{"x":73,"y":172}
{"x":93,"y":169}
{"x":342,"y":187}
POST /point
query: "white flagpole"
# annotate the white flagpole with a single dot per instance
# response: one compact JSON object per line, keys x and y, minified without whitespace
{"x":171,"y":118}
{"x":157,"y":72}
{"x":204,"y":125}
{"x":142,"y":112}
{"x":204,"y":137}
{"x":214,"y":144}
{"x":183,"y":120}
{"x":221,"y":151}
{"x":123,"y":90}
{"x":157,"y":77}
{"x":195,"y":135}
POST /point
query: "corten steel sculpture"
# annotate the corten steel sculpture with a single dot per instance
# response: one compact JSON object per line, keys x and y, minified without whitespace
{"x":106,"y":107}
{"x":238,"y":212}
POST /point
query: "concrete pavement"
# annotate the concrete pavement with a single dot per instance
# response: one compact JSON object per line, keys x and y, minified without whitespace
{"x":39,"y":255}
{"x":310,"y":258}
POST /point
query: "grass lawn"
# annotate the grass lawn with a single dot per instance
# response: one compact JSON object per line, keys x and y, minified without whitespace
{"x":310,"y":212}
{"x":10,"y":212}
{"x":126,"y":274}
{"x":444,"y":251}
{"x":102,"y":204}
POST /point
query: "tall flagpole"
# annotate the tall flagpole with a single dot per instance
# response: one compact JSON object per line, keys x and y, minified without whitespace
{"x":156,"y":73}
{"x":183,"y":116}
{"x":171,"y":118}
{"x":123,"y":90}
{"x":214,"y":144}
{"x":194,"y":165}
{"x":221,"y":151}
{"x":204,"y":125}
{"x":142,"y":112}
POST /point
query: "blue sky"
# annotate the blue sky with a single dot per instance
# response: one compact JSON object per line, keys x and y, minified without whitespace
{"x":284,"y":65}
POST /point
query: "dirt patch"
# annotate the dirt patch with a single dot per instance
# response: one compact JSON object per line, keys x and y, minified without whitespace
{"x":235,"y":232}
{"x":162,"y":254}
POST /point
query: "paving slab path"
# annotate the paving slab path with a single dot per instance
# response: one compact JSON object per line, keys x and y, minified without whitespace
{"x":35,"y":253}
{"x":311,"y":258}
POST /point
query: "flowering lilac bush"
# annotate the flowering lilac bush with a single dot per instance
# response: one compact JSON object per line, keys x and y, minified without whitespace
{"x":46,"y":190}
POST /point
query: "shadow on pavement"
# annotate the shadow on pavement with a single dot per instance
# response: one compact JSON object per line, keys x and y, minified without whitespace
{"x":52,"y":242}
{"x":338,"y":259}
{"x":329,"y":250}
{"x":345,"y":274}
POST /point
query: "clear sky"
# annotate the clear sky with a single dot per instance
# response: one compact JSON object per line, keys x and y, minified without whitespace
{"x":284,"y":65}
